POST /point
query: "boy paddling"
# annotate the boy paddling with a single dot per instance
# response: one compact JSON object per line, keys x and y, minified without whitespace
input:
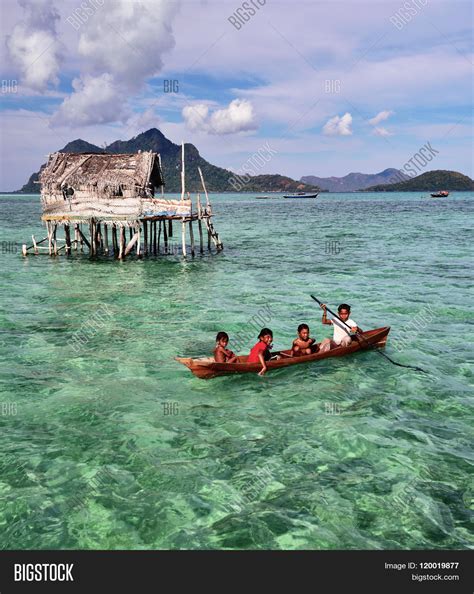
{"x":341,"y":331}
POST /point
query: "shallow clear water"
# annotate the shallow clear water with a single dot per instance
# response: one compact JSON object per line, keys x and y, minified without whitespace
{"x":113,"y":444}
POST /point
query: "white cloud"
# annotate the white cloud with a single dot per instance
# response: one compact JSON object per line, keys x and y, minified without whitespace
{"x":121,"y":46}
{"x":91,"y":102}
{"x":238,"y":116}
{"x":380,"y":131}
{"x":33,"y":45}
{"x":338,"y":126}
{"x":380,"y":117}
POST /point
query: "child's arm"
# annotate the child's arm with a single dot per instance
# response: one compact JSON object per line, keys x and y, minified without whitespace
{"x":264,"y":365}
{"x":324,"y":319}
{"x":219,"y":355}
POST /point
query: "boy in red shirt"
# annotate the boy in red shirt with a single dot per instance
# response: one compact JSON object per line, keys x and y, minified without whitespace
{"x":261,"y":350}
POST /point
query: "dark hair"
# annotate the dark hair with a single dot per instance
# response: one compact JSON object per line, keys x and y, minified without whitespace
{"x":303,"y":327}
{"x":221,"y":335}
{"x":344,"y":306}
{"x":264,"y":332}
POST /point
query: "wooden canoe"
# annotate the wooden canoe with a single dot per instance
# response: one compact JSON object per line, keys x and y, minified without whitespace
{"x":206,"y":367}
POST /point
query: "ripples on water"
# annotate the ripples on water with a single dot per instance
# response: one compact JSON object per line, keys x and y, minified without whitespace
{"x":115,"y":445}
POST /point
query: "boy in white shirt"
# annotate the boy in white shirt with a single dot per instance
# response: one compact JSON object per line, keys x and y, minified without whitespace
{"x":341,"y":336}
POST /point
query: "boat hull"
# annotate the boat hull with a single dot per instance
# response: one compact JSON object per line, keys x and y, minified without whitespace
{"x":207,"y":368}
{"x":301,"y":197}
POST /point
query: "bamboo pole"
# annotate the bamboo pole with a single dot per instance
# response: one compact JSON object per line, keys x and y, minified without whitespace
{"x":183,"y":237}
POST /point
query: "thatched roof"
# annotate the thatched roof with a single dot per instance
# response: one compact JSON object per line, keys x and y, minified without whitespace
{"x":103,"y":172}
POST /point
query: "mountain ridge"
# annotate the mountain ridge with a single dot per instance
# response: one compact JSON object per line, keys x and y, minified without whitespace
{"x":216,"y":178}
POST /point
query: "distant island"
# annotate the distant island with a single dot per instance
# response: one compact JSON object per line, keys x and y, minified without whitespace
{"x":217,"y":178}
{"x":354,"y":182}
{"x":430,"y":181}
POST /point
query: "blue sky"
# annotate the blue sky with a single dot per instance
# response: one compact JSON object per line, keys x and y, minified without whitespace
{"x":332,"y":87}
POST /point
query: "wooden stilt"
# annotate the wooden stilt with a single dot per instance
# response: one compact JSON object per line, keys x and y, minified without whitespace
{"x":83,"y":239}
{"x":165,"y":237}
{"x":76,"y":238}
{"x":81,"y":236}
{"x":49,"y":229}
{"x":131,"y":232}
{"x":55,"y":241}
{"x":201,"y":248}
{"x":131,"y":243}
{"x":191,"y":237}
{"x":159,"y":236}
{"x":122,"y":242}
{"x":183,"y":237}
{"x":35,"y":245}
{"x":99,"y":238}
{"x":154,"y":238}
{"x":114,"y":239}
{"x":170,"y":228}
{"x":92,"y":237}
{"x":208,"y":239}
{"x":145,"y":238}
{"x":138,"y":241}
{"x":67,"y":235}
{"x":106,"y":239}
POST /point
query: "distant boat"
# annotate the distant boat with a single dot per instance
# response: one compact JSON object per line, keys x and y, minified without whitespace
{"x":302,"y":195}
{"x":442,"y":194}
{"x":263,"y":197}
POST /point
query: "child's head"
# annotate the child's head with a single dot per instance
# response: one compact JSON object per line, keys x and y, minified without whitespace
{"x":303,"y":331}
{"x":344,"y":311}
{"x":266,"y":335}
{"x":222,"y":339}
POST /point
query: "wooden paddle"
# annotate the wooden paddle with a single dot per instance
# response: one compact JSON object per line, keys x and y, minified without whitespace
{"x":359,"y":335}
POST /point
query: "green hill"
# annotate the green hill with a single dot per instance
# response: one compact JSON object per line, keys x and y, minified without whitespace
{"x":431,"y":181}
{"x":216,"y":178}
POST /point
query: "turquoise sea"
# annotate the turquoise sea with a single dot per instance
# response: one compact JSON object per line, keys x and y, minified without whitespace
{"x":109,"y":443}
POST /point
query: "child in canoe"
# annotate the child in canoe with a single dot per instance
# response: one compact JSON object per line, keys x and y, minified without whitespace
{"x":303,"y":345}
{"x":341,"y":335}
{"x":221,"y":353}
{"x":260,"y":352}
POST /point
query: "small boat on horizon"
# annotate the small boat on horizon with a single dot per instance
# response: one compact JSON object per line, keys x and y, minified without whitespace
{"x":263,"y":197}
{"x":206,"y":367}
{"x":302,"y":195}
{"x":441,"y":194}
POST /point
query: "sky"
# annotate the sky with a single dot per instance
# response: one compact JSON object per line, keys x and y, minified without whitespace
{"x":319,"y":88}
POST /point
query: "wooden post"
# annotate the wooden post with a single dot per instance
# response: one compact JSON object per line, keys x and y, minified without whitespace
{"x":132,"y":242}
{"x":131,"y":232}
{"x":183,"y":237}
{"x":170,"y":228}
{"x":92,"y":237}
{"x":182,"y":172}
{"x":145,"y":238}
{"x":67,"y":235}
{"x":99,"y":238}
{"x":138,"y":240}
{"x":83,"y":239}
{"x":114,"y":239}
{"x":81,"y":236}
{"x":50,"y":235}
{"x":76,"y":237}
{"x":154,"y":238}
{"x":35,"y":244}
{"x":122,"y":242}
{"x":159,"y":236}
{"x":106,"y":239}
{"x":55,"y":242}
{"x":191,"y":236}
{"x":165,"y":237}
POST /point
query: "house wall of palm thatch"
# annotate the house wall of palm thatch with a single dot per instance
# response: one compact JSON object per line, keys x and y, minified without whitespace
{"x":108,"y":188}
